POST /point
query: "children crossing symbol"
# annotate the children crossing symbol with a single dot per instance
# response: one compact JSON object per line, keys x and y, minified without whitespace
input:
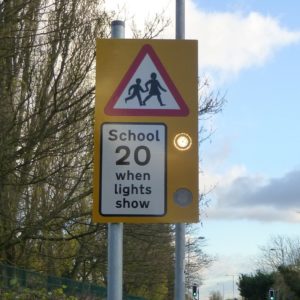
{"x":155,"y":88}
{"x":146,"y":90}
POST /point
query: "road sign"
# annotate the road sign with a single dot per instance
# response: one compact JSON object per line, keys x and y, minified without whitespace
{"x":133,"y":169}
{"x":146,"y":133}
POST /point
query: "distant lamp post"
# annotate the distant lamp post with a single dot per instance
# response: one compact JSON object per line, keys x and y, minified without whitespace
{"x":222,"y":289}
{"x":232,"y":284}
{"x":281,"y":252}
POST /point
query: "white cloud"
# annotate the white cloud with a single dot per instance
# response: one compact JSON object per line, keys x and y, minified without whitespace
{"x":231,"y":42}
{"x":228,"y":42}
{"x":210,"y":180}
{"x":256,"y":198}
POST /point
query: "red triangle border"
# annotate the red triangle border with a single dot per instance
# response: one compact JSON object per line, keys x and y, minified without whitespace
{"x":146,"y":49}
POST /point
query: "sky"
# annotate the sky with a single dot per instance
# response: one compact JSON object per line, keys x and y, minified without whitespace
{"x":250,"y":52}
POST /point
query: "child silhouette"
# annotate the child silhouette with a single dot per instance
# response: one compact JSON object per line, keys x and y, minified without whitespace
{"x":135,"y":91}
{"x":155,"y":89}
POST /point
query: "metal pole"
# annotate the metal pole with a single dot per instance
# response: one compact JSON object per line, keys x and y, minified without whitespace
{"x":115,"y":261}
{"x":282,"y":256}
{"x":180,"y":228}
{"x":118,"y":29}
{"x":232,"y":284}
{"x":115,"y":230}
{"x":179,"y":262}
{"x":223,"y":293}
{"x":180,"y":19}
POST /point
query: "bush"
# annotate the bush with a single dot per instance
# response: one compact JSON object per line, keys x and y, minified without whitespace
{"x":29,"y":294}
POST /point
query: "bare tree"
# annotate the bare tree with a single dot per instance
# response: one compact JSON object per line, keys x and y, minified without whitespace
{"x":280,"y":251}
{"x":211,"y":103}
{"x":46,"y":113}
{"x":196,"y":259}
{"x":281,"y":255}
{"x":152,"y":28}
{"x":215,"y":295}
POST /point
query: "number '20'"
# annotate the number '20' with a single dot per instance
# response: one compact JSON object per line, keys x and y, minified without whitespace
{"x":138,"y":156}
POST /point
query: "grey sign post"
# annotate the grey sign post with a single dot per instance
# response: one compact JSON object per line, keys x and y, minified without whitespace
{"x":180,"y":227}
{"x":115,"y":230}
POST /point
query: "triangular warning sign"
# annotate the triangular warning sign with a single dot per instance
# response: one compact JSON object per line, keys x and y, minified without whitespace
{"x":146,"y":90}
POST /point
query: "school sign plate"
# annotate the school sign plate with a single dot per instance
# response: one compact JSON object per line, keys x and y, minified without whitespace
{"x":133,"y":169}
{"x":146,"y":132}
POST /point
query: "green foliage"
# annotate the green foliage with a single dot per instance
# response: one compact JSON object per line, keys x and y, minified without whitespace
{"x":215,"y":295}
{"x":16,"y":279}
{"x":254,"y":287}
{"x":291,"y":277}
{"x":282,"y":255}
{"x":34,"y":294}
{"x":148,"y":260}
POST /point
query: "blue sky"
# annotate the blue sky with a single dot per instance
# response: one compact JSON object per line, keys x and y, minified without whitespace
{"x":259,"y":127}
{"x":250,"y":50}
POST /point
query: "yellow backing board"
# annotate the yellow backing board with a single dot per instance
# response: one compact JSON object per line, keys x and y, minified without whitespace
{"x":139,"y":174}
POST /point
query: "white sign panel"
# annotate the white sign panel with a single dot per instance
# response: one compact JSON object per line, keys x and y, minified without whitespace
{"x":133,"y":169}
